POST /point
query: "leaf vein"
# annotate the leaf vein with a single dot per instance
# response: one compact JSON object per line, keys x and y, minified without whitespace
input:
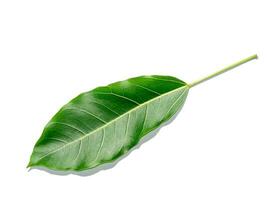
{"x":146,"y":88}
{"x":152,"y":77}
{"x":181,"y":95}
{"x":57,"y":139}
{"x":66,"y":124}
{"x":85,"y":111}
{"x":101,"y":145}
{"x":127,"y":113}
{"x":123,"y":97}
{"x":105,"y":107}
{"x":79,"y":151}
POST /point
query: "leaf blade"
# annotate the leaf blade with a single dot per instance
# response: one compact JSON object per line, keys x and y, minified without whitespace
{"x":124,"y":113}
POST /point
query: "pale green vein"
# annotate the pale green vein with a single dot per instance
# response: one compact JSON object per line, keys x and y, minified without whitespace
{"x":145,"y":88}
{"x":123,"y":97}
{"x":144,"y":122}
{"x":101,"y":145}
{"x":181,"y":95}
{"x":85,"y":111}
{"x":66,"y":124}
{"x":126,"y":131}
{"x":56,"y":139}
{"x":79,"y":151}
{"x":104,"y":107}
{"x":110,"y":122}
{"x":160,"y":79}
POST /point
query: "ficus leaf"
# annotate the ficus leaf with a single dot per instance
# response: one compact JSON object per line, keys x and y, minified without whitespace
{"x":103,"y":124}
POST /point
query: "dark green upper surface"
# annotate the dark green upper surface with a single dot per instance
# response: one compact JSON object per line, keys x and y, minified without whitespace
{"x":100,"y":125}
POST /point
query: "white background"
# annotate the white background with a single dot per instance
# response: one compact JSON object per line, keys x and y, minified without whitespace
{"x":50,"y":51}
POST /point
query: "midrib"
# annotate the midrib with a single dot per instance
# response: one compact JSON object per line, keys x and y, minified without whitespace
{"x":115,"y":119}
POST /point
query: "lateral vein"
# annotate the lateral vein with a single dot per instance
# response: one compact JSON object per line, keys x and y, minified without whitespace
{"x":110,"y":122}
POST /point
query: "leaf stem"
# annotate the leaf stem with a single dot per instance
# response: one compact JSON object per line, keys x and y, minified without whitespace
{"x":232,"y":66}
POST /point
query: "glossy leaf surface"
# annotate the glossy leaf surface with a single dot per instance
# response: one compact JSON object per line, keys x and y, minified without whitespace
{"x":101,"y":125}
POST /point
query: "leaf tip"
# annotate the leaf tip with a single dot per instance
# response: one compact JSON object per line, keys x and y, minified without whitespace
{"x":29,"y":165}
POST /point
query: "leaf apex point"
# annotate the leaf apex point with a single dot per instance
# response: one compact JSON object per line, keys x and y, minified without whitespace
{"x":30,"y":164}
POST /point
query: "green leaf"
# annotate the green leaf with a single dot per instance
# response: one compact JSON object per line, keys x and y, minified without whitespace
{"x":101,"y":125}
